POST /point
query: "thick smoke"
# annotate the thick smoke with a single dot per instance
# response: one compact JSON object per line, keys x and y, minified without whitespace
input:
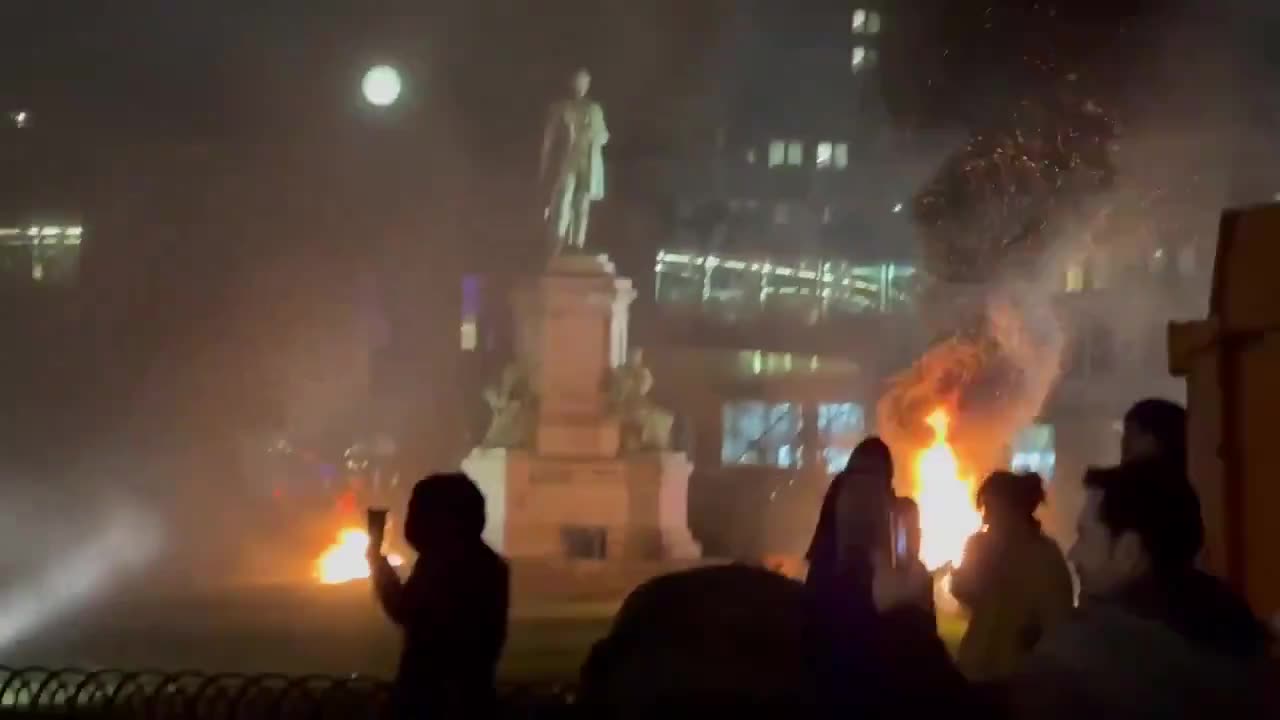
{"x":1000,"y":224}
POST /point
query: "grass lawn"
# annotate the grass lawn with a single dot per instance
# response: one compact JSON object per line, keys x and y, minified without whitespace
{"x":331,"y":633}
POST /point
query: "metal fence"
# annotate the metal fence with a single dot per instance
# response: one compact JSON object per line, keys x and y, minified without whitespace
{"x":44,"y":692}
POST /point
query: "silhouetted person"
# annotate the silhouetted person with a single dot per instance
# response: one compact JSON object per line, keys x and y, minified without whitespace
{"x":1153,"y":637}
{"x":711,"y":642}
{"x":870,"y":663}
{"x":1155,"y":427}
{"x":453,"y":607}
{"x":1013,"y":581}
{"x":853,"y":520}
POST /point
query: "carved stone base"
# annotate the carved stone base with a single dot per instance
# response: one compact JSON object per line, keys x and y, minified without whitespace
{"x":596,"y":438}
{"x":633,"y":508}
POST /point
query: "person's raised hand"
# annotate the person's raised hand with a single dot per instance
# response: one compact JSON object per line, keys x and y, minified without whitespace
{"x":906,"y":584}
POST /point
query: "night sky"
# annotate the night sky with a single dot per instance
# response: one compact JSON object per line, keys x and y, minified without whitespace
{"x":299,"y":178}
{"x":240,"y":67}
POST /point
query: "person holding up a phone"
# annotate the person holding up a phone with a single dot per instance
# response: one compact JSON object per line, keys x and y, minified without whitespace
{"x":452,"y":608}
{"x":868,"y":661}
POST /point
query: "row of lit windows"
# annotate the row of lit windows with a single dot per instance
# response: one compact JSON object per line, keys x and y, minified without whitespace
{"x":828,"y":155}
{"x":42,"y":252}
{"x":755,"y":432}
{"x":1092,"y":273}
{"x":740,"y":286}
{"x":758,"y":433}
{"x":781,"y":211}
{"x":42,"y":235}
{"x":863,"y":57}
{"x":865,"y":22}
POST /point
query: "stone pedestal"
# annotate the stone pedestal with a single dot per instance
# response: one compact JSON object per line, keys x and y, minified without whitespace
{"x":630,"y":509}
{"x":572,"y":495}
{"x":572,"y":332}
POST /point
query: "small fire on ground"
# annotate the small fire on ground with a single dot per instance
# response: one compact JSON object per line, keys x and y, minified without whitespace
{"x":345,"y":560}
{"x":945,"y":495}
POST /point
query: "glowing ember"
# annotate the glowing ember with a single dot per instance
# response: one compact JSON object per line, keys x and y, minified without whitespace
{"x":948,"y":515}
{"x":345,"y":560}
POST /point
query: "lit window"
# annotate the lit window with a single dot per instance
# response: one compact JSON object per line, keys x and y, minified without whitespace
{"x":862,"y":57}
{"x":825,"y":156}
{"x":20,"y":119}
{"x":1158,"y":261}
{"x":758,"y":433}
{"x":469,"y":335}
{"x":781,"y":214}
{"x":1075,"y":277}
{"x":841,"y":156}
{"x":826,"y":214}
{"x":1034,"y":451}
{"x":751,"y":156}
{"x":842,"y":426}
{"x":865,"y":22}
{"x":777,"y":153}
{"x":795,"y":153}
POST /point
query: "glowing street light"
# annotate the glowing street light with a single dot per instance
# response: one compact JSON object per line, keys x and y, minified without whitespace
{"x":381,"y":86}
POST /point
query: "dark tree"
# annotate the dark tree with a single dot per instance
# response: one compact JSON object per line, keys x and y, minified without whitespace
{"x":991,"y":202}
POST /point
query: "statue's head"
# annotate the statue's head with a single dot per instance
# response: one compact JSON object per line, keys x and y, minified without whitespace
{"x":581,"y":82}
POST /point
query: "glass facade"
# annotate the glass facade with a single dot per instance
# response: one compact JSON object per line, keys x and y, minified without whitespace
{"x":806,"y":289}
{"x":760,"y":433}
{"x":842,"y":426}
{"x":1033,"y":450}
{"x":41,"y":253}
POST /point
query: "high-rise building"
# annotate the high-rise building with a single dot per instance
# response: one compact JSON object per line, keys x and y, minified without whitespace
{"x":790,"y":254}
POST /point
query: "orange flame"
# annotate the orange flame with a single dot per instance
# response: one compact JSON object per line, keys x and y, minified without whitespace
{"x":345,"y":560}
{"x":948,"y":513}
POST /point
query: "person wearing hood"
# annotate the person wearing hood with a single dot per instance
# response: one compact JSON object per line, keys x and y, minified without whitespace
{"x":453,"y":607}
{"x":872,"y":661}
{"x":1153,"y":638}
{"x":853,"y":520}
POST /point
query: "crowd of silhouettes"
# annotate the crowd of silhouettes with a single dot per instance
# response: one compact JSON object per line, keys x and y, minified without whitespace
{"x":1150,"y":636}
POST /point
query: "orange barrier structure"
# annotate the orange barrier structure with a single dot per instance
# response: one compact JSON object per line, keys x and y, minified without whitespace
{"x":1231,"y":362}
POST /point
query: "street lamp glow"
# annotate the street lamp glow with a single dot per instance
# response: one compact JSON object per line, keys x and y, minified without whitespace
{"x":381,"y":86}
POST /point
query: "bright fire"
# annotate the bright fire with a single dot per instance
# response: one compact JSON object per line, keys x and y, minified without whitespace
{"x":345,"y":560}
{"x":948,"y":515}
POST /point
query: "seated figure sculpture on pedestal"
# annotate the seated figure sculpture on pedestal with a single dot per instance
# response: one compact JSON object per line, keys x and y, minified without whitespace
{"x":514,"y":408}
{"x":575,"y":466}
{"x":645,"y":426}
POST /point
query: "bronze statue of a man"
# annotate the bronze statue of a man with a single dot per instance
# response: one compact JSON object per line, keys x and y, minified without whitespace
{"x":572,"y":164}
